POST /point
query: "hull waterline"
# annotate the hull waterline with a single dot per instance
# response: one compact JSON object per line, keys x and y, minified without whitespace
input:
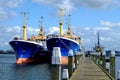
{"x":65,"y":45}
{"x":25,"y":51}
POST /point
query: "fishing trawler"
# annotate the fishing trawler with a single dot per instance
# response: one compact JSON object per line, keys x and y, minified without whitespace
{"x":65,"y":42}
{"x":26,"y":50}
{"x":98,"y":47}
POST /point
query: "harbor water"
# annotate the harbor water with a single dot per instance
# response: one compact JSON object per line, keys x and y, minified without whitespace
{"x":9,"y":70}
{"x":117,"y":63}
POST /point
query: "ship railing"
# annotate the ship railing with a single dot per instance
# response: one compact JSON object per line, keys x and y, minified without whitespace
{"x":16,"y":38}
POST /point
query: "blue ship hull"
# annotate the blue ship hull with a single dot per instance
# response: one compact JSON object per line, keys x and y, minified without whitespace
{"x":26,"y":49}
{"x":65,"y":45}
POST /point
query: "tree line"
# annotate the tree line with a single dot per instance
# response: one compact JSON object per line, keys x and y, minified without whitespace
{"x":6,"y":52}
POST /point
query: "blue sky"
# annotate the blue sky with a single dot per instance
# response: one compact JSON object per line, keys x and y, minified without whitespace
{"x":87,"y":17}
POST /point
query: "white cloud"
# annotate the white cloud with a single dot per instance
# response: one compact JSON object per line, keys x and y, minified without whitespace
{"x":53,"y":30}
{"x":110,"y":24}
{"x":47,"y":1}
{"x":70,"y":5}
{"x":8,"y":33}
{"x":67,"y":5}
{"x":108,"y":38}
{"x":12,"y":30}
{"x":4,"y":15}
{"x":32,"y":31}
{"x":10,"y":3}
{"x":97,"y":4}
{"x":6,"y":8}
{"x":6,"y":43}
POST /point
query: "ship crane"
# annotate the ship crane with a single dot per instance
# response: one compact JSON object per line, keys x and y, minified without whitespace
{"x":99,"y":47}
{"x":41,"y":28}
{"x":24,"y":26}
{"x":61,"y":21}
{"x":69,"y":31}
{"x":41,"y":36}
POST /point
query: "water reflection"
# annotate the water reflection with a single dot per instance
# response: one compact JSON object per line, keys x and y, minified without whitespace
{"x":9,"y":70}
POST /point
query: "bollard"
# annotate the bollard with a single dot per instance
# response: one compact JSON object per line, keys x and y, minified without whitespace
{"x":118,"y":75}
{"x":92,"y":56}
{"x":73,"y":67}
{"x":56,"y":64}
{"x":77,"y":59}
{"x":107,"y":67}
{"x":103,"y":59}
{"x":80,"y":56}
{"x":112,"y":64}
{"x":70,"y":62}
{"x":100,"y":58}
{"x":83,"y":54}
{"x":65,"y":75}
{"x":107,"y":64}
{"x":95,"y":57}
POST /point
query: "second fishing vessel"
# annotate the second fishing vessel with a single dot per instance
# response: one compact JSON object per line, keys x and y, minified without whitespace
{"x":27,"y":50}
{"x":65,"y":42}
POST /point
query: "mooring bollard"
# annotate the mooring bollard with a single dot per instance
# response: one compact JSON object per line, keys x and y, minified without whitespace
{"x":95,"y":56}
{"x":70,"y":62}
{"x":56,"y":64}
{"x":73,"y":67}
{"x":65,"y":75}
{"x":98,"y":58}
{"x":101,"y":62}
{"x":92,"y":56}
{"x":107,"y":64}
{"x":103,"y":59}
{"x":83,"y":54}
{"x":80,"y":56}
{"x":77,"y":57}
{"x":112,"y":64}
{"x":118,"y":75}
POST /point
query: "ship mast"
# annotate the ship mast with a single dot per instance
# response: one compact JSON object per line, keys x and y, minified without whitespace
{"x":68,"y":32}
{"x":61,"y":22}
{"x":98,"y":42}
{"x":24,"y":27}
{"x":99,"y":47}
{"x":41,"y":27}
